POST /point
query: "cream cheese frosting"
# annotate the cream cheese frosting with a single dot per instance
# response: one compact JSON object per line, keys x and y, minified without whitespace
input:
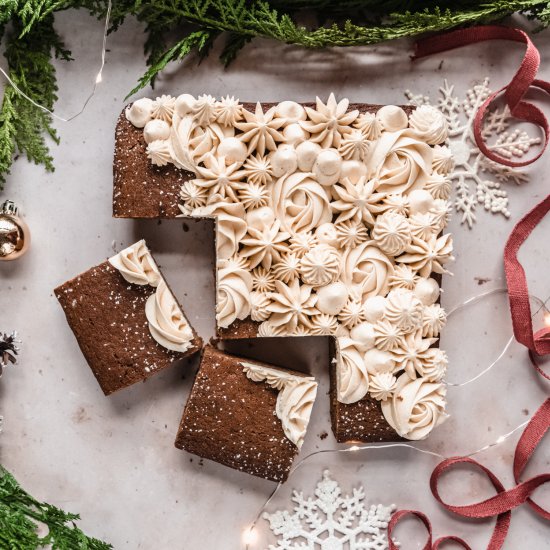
{"x":416,"y":407}
{"x":167,"y":324}
{"x":294,"y":400}
{"x":328,"y":221}
{"x":136,"y":265}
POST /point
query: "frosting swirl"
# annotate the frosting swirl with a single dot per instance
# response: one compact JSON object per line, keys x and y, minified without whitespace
{"x":294,"y":401}
{"x":401,"y":162}
{"x":416,"y":408}
{"x":300,"y":203}
{"x":136,"y":265}
{"x":233,"y":294}
{"x":429,"y":124}
{"x":392,"y":233}
{"x":367,"y":266}
{"x":352,"y":378}
{"x":167,"y":324}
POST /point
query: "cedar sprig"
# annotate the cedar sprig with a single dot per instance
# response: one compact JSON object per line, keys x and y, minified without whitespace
{"x":21,"y":515}
{"x":177,"y":29}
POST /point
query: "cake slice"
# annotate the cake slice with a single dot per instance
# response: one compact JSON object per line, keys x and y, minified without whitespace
{"x":126,"y":320}
{"x":247,"y":415}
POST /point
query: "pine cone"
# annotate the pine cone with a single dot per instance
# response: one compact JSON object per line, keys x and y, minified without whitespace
{"x":8,"y":349}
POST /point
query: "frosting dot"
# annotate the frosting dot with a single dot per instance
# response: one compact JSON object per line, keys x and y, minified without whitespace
{"x":139,"y":114}
{"x":332,"y":298}
{"x":374,"y":308}
{"x":363,"y":335}
{"x":156,"y":130}
{"x":284,"y":161}
{"x":379,"y":361}
{"x":420,"y":201}
{"x":307,"y":155}
{"x":295,"y":134}
{"x":427,"y":291}
{"x":392,"y":118}
{"x":185,"y":103}
{"x":327,"y":167}
{"x":260,"y":217}
{"x":233,"y":149}
{"x":353,"y":170}
{"x":290,"y":110}
{"x":327,"y":234}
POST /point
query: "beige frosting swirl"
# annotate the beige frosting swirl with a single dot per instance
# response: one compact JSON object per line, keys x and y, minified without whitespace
{"x":233,"y":293}
{"x":400,"y":162}
{"x":404,"y":310}
{"x":167,"y":324}
{"x":136,"y":265}
{"x":300,"y":203}
{"x":392,"y":233}
{"x":230,"y":226}
{"x":416,"y":408}
{"x":352,"y":378}
{"x":382,"y":385}
{"x":294,"y":401}
{"x":320,"y":266}
{"x":368,"y":266}
{"x":429,"y":124}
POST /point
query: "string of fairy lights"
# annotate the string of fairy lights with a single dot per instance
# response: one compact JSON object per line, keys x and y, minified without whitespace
{"x":250,"y":533}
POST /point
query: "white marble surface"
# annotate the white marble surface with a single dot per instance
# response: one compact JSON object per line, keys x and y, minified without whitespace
{"x":113,"y":459}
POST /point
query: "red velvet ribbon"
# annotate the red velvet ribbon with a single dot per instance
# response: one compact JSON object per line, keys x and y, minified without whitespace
{"x":537,"y":343}
{"x":500,"y":505}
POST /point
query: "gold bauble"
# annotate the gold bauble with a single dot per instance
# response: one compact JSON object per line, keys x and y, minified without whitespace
{"x":15,"y":237}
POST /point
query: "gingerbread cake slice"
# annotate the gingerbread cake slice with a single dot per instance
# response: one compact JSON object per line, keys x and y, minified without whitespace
{"x":126,"y":319}
{"x":247,"y":415}
{"x":330,"y":220}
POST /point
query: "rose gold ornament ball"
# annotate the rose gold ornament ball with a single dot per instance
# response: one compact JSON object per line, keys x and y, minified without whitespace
{"x":15,"y":237}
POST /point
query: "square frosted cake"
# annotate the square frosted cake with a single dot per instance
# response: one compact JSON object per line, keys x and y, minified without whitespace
{"x":126,"y":320}
{"x":330,"y":220}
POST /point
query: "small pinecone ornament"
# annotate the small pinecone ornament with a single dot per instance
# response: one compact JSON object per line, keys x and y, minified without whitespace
{"x":8,"y":349}
{"x":15,"y":237}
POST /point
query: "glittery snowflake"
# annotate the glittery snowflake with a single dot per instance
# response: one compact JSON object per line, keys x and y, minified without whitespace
{"x":478,"y":180}
{"x":331,"y":521}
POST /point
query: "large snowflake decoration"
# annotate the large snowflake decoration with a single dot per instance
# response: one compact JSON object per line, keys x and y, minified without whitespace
{"x":478,"y":180}
{"x":331,"y":521}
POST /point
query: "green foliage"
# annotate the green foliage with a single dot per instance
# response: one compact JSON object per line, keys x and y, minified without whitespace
{"x":21,"y":515}
{"x":176,"y":29}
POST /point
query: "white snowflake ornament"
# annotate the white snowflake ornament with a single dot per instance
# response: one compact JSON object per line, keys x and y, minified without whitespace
{"x":331,"y":521}
{"x":478,"y":180}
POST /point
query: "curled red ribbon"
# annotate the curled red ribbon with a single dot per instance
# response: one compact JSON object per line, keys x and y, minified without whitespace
{"x":537,"y":343}
{"x":499,"y":505}
{"x":514,"y":92}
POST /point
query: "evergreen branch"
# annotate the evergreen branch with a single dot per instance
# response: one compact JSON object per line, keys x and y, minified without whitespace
{"x":341,"y":23}
{"x":195,"y":41}
{"x":20,"y":515}
{"x":25,"y":125}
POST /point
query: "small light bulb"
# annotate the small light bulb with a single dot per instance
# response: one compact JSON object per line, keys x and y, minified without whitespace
{"x":354,"y":448}
{"x":250,"y":536}
{"x":501,"y":439}
{"x":98,"y":78}
{"x":547,"y":318}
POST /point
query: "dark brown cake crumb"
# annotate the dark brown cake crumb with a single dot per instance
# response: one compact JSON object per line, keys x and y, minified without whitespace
{"x":107,"y":317}
{"x":231,"y":419}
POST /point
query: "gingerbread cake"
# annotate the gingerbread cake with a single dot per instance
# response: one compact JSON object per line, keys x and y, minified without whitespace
{"x":126,"y":320}
{"x":330,"y":220}
{"x":247,"y":415}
